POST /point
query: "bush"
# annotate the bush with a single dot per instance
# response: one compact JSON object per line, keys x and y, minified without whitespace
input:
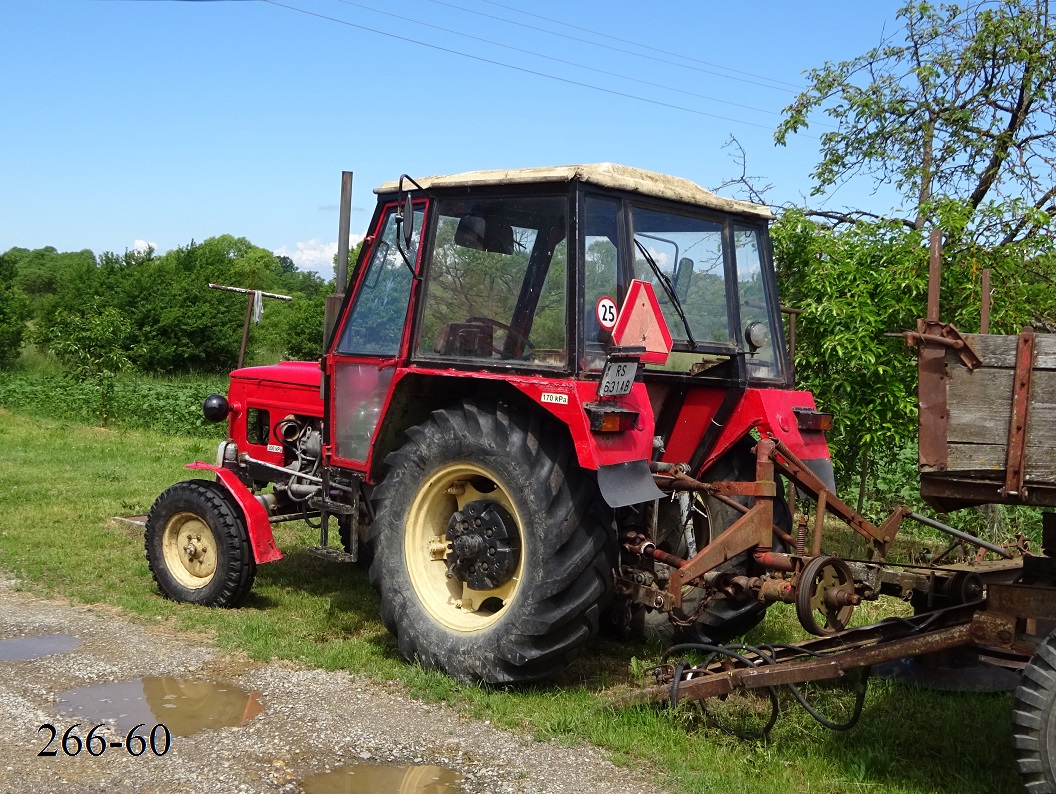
{"x":91,"y":347}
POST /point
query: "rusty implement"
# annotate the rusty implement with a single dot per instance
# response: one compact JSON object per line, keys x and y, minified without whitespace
{"x":1000,"y":621}
{"x":814,"y":660}
{"x":824,"y":590}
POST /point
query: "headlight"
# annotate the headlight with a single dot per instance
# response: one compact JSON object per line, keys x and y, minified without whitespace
{"x":757,"y":335}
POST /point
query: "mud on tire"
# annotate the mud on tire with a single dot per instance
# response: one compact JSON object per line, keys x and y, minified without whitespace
{"x":534,"y":616}
{"x":197,"y":545}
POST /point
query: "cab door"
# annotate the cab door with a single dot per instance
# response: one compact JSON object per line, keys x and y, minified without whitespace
{"x":371,"y":339}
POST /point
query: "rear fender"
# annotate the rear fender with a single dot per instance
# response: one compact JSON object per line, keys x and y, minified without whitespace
{"x":620,"y":458}
{"x":772,"y":413}
{"x":257,"y":524}
{"x":567,"y":400}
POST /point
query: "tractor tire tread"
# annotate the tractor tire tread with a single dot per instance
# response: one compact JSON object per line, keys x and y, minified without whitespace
{"x":1034,"y":721}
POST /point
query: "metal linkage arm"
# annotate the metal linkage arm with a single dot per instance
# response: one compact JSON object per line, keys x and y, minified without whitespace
{"x":797,"y":471}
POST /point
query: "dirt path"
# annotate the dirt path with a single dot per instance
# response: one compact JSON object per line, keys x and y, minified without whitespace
{"x":299,"y":722}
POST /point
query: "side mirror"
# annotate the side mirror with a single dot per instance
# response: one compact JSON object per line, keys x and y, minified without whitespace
{"x":408,"y":221}
{"x":683,"y":277}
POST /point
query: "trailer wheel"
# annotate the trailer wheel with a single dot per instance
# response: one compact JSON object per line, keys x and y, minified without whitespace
{"x":198,"y":547}
{"x":1034,"y":721}
{"x":491,"y":554}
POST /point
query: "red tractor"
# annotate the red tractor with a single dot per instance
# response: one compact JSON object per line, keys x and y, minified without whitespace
{"x":522,"y":356}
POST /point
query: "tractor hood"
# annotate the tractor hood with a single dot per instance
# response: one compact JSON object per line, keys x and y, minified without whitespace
{"x":293,"y":373}
{"x":290,"y":387}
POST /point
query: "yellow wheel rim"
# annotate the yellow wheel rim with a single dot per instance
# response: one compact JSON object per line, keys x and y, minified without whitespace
{"x":451,"y":602}
{"x":189,"y":549}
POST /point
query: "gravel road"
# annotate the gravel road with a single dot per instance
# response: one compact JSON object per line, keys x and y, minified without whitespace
{"x":301,"y":723}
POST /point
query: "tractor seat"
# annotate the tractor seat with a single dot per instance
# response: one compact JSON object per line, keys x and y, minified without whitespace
{"x":465,"y":340}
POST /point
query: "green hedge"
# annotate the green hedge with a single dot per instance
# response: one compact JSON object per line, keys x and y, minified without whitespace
{"x":167,"y":406}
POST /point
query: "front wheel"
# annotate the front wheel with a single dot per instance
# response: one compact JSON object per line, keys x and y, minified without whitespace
{"x":492,"y":557}
{"x":198,"y":547}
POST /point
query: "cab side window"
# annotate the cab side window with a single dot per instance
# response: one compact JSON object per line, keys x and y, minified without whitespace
{"x":600,"y":274}
{"x":495,"y":288}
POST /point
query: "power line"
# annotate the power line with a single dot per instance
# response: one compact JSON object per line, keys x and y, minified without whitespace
{"x":791,"y":86}
{"x":513,"y":67}
{"x":556,"y":59}
{"x":608,"y":47}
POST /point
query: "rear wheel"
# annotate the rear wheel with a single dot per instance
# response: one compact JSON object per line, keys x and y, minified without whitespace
{"x":198,"y":547}
{"x":491,"y":555}
{"x":1034,"y":721}
{"x":722,"y":619}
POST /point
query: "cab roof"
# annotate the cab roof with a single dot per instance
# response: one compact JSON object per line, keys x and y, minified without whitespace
{"x":606,"y":175}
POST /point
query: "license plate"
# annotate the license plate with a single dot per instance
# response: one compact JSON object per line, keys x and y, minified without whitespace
{"x":617,"y":378}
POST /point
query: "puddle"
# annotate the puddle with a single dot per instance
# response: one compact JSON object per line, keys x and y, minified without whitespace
{"x":183,"y":705}
{"x":379,"y":779}
{"x":19,"y":648}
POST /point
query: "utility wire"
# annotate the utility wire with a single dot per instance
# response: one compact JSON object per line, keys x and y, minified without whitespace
{"x":522,"y":69}
{"x":608,"y":47}
{"x":558,"y":60}
{"x":791,"y":86}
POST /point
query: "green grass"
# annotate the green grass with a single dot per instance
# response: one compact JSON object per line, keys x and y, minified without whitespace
{"x":61,"y":484}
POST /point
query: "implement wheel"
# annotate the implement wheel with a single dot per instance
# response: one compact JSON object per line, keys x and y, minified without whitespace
{"x":491,"y":555}
{"x":1034,"y":721}
{"x":822,"y":596}
{"x":197,"y":545}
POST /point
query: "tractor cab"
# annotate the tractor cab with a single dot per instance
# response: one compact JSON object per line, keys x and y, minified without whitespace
{"x":528,"y":283}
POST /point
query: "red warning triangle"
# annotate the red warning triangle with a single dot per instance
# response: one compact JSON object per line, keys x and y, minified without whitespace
{"x":641,"y":323}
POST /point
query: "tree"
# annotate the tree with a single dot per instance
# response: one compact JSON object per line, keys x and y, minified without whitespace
{"x":38,"y":273}
{"x":957,"y":108}
{"x":302,"y":328}
{"x":853,"y":285}
{"x":856,"y":282}
{"x":92,"y":345}
{"x":12,"y":313}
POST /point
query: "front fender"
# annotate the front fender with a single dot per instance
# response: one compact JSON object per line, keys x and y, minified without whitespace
{"x":257,"y":524}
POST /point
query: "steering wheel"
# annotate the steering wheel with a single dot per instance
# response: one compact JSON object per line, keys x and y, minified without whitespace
{"x":524,"y":342}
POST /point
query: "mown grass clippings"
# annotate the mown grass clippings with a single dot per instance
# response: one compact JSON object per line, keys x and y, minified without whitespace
{"x":62,"y":483}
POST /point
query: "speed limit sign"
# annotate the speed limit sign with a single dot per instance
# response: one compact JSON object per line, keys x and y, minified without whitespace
{"x":606,"y":311}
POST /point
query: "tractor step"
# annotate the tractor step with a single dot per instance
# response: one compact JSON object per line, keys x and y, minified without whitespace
{"x":332,"y":507}
{"x":331,"y":554}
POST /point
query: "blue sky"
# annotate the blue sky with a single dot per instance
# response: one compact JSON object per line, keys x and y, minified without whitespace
{"x":157,"y":121}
